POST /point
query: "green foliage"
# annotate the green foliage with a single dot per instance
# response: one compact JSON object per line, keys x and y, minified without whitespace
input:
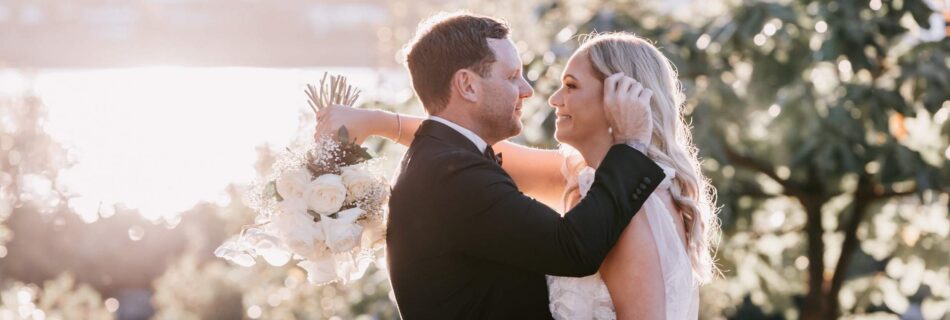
{"x":29,"y":160}
{"x":216,"y":290}
{"x":815,"y":120}
{"x":60,"y":298}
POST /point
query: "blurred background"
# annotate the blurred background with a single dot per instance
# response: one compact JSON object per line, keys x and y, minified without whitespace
{"x":130,"y":130}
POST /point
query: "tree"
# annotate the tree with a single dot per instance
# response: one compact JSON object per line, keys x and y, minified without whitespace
{"x":816,"y":119}
{"x":29,"y":161}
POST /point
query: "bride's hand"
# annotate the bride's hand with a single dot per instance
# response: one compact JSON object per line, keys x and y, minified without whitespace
{"x":359,"y":122}
{"x":627,"y":106}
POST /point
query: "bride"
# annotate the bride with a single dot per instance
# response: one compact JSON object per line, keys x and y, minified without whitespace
{"x":665,"y":253}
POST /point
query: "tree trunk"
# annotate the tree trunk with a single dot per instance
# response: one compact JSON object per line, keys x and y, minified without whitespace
{"x":863,"y":197}
{"x":817,"y":302}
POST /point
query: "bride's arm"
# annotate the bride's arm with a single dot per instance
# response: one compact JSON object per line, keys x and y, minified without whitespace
{"x":537,"y":172}
{"x":363,"y":123}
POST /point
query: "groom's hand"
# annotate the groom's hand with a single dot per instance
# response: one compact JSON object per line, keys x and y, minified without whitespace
{"x":627,"y":106}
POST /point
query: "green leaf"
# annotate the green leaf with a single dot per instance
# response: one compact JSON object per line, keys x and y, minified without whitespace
{"x":364,"y":153}
{"x":271,"y":191}
{"x":316,"y":216}
{"x":343,"y":135}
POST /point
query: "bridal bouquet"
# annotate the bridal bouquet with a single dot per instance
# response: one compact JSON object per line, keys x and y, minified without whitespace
{"x":323,"y":206}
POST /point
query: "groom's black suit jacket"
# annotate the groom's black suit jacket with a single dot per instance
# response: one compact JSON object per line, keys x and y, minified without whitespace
{"x":464,"y":243}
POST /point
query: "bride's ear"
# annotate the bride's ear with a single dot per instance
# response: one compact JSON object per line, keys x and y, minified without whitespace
{"x":465,"y":82}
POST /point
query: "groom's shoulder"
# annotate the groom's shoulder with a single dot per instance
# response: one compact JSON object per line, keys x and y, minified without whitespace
{"x":442,"y":158}
{"x":435,"y":150}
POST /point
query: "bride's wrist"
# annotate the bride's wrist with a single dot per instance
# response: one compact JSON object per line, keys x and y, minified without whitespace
{"x":385,"y":124}
{"x":639,"y":142}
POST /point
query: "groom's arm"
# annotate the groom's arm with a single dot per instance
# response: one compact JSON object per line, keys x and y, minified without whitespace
{"x":504,"y":225}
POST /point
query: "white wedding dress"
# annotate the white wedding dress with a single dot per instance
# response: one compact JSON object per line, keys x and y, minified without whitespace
{"x":588,"y":298}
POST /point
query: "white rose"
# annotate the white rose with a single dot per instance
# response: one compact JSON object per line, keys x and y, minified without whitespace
{"x":291,"y":207}
{"x":344,"y":237}
{"x":358,"y":182}
{"x":326,"y":194}
{"x":343,"y":234}
{"x":350,"y":215}
{"x":296,"y":228}
{"x":293,"y":183}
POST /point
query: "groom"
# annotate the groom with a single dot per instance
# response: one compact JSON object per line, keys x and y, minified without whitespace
{"x":463,"y":241}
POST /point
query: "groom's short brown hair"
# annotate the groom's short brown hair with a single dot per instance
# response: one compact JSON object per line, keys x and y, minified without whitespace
{"x":444,"y":44}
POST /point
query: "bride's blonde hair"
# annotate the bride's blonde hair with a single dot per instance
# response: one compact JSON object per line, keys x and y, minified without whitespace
{"x":671,"y":145}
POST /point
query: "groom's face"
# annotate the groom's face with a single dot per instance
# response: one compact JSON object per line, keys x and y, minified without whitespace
{"x":503,"y":91}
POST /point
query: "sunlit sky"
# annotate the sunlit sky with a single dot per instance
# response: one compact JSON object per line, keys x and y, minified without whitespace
{"x":161,"y":139}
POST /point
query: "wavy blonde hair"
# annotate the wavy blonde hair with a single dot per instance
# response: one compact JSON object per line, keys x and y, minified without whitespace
{"x":672,"y":145}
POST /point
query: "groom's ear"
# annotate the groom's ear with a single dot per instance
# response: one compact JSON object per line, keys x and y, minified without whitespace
{"x":465,"y":82}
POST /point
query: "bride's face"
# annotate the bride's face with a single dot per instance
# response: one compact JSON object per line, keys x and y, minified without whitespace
{"x":579,"y":102}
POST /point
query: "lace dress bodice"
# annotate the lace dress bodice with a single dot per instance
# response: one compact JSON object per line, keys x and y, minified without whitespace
{"x":588,"y":298}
